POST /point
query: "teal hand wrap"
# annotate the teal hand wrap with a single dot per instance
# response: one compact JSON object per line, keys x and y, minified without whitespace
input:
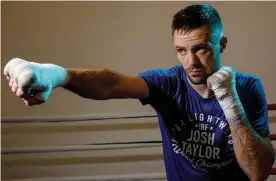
{"x":36,"y":79}
{"x":46,"y":77}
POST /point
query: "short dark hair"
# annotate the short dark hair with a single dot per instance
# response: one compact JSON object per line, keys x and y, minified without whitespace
{"x":195,"y":16}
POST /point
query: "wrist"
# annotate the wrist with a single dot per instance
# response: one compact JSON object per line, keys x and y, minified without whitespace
{"x":233,"y":109}
{"x":59,"y":74}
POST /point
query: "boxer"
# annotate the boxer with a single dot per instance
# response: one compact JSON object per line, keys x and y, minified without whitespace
{"x":213,"y":119}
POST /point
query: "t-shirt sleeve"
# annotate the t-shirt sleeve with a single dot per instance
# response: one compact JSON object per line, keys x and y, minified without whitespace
{"x":161,"y":83}
{"x":258,"y":109}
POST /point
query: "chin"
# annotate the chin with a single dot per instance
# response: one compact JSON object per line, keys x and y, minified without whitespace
{"x":198,"y":80}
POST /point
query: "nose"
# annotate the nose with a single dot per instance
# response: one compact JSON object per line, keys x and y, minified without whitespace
{"x":191,"y":58}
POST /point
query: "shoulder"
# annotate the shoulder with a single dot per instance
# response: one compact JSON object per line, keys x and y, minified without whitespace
{"x":253,"y":98}
{"x":162,"y":83}
{"x":172,"y":72}
{"x":247,"y":82}
{"x":251,"y":92}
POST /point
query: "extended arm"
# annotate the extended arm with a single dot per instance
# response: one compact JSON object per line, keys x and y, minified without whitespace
{"x":102,"y":84}
{"x":34,"y":82}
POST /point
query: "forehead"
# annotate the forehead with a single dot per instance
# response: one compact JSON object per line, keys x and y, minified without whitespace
{"x":198,"y":36}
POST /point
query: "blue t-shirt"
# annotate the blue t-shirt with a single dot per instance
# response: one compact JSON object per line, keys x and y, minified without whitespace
{"x":197,"y":143}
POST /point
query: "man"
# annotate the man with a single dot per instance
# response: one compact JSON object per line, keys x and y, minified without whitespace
{"x":213,"y":120}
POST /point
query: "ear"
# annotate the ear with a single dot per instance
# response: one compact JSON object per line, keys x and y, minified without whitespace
{"x":223,"y":44}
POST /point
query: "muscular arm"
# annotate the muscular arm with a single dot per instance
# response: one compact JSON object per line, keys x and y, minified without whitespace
{"x":254,"y":153}
{"x":102,"y":84}
{"x":247,"y":119}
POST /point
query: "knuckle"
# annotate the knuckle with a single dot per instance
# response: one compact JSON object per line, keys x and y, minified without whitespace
{"x":20,"y":94}
{"x":11,"y":81}
{"x":17,"y":60}
{"x":17,"y":69}
{"x":25,"y":79}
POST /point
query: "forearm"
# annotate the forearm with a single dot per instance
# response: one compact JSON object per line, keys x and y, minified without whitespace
{"x":91,"y":83}
{"x":254,"y":154}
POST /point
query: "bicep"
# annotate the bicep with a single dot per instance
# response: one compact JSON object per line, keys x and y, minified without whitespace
{"x":149,"y":86}
{"x":129,"y":87}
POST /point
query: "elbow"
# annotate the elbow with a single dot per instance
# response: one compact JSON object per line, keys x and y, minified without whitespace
{"x":263,"y":172}
{"x":259,"y":177}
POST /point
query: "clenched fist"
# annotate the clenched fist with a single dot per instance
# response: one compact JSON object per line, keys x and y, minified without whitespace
{"x":34,"y":81}
{"x":223,"y":83}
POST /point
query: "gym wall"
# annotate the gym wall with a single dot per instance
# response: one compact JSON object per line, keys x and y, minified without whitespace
{"x":129,"y":37}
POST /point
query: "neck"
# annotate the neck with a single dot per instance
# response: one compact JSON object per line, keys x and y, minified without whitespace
{"x":202,"y":90}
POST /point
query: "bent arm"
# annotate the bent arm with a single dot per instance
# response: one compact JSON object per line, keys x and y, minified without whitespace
{"x":254,"y":153}
{"x":252,"y":145}
{"x":103,"y":84}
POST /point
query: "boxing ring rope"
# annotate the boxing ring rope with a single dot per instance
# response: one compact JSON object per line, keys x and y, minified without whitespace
{"x":118,"y":145}
{"x":59,"y":119}
{"x":272,"y":107}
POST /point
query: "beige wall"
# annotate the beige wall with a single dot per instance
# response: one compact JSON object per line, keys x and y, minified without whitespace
{"x":129,"y":37}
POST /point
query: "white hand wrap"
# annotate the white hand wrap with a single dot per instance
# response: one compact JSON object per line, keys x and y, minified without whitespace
{"x":41,"y":78}
{"x":223,"y":83}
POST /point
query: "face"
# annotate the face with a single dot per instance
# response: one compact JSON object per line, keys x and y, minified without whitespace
{"x":199,"y":53}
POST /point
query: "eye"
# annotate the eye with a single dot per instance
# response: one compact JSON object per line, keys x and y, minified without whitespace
{"x":181,"y":51}
{"x":202,"y":49}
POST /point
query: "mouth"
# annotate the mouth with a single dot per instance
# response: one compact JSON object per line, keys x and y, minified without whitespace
{"x":197,"y":73}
